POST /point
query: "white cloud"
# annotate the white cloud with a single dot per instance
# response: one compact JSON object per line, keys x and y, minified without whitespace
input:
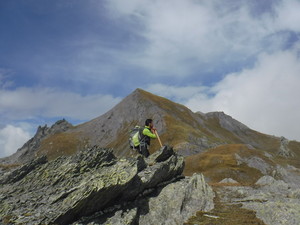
{"x":288,"y":15}
{"x":26,"y":103}
{"x":264,"y":97}
{"x":176,"y":93}
{"x":11,"y":139}
{"x":199,"y":34}
{"x":41,"y":104}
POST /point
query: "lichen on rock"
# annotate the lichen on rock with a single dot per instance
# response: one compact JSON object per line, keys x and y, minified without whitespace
{"x":94,"y":185}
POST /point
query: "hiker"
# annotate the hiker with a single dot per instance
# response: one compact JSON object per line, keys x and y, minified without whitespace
{"x":147,"y":134}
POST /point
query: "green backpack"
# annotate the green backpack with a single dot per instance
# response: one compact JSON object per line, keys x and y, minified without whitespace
{"x":135,"y":136}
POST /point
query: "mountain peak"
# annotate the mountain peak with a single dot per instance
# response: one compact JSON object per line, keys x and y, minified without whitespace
{"x":188,"y":132}
{"x":148,"y":96}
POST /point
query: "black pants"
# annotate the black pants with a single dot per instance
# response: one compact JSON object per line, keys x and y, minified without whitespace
{"x":143,"y":149}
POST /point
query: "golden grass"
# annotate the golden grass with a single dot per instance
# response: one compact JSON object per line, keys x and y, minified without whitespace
{"x":225,"y":214}
{"x":220,"y":162}
{"x":214,"y":184}
{"x":295,"y":147}
{"x":9,"y":166}
{"x":214,"y":124}
{"x":61,"y":144}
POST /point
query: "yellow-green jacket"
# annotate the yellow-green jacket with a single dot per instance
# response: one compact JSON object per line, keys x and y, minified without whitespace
{"x":147,"y":135}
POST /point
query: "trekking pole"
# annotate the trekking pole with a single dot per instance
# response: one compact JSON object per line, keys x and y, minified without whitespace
{"x":158,"y":138}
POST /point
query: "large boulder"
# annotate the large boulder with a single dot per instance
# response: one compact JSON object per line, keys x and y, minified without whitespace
{"x":178,"y":201}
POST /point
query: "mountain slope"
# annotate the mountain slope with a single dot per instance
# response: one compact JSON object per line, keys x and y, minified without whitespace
{"x":188,"y":132}
{"x":178,"y":126}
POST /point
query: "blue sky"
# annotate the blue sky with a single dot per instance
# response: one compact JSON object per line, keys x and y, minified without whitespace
{"x":76,"y":59}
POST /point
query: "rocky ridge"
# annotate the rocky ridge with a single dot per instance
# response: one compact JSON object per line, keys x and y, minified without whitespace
{"x":94,"y":187}
{"x":28,"y":151}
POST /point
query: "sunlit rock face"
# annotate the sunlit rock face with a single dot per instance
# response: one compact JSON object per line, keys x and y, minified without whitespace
{"x":94,"y":185}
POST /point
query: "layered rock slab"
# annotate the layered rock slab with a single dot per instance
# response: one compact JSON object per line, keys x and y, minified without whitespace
{"x":94,"y":184}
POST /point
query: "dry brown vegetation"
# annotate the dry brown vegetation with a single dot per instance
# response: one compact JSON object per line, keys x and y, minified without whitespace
{"x":225,"y":214}
{"x":61,"y":144}
{"x":220,"y":162}
{"x":9,"y":166}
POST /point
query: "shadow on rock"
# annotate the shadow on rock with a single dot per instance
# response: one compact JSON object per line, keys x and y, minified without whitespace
{"x":96,"y":187}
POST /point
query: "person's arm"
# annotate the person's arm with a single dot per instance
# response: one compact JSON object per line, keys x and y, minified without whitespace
{"x":148,"y":133}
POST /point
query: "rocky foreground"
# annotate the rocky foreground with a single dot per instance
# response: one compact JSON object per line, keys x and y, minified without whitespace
{"x":276,"y":202}
{"x":94,"y":187}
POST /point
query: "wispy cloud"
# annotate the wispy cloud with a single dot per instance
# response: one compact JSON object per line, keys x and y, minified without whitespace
{"x":27,"y":103}
{"x":4,"y":78}
{"x":199,"y":35}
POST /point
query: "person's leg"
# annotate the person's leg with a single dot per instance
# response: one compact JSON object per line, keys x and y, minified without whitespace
{"x":144,"y":149}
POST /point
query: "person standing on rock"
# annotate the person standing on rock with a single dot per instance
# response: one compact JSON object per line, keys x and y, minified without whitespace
{"x":146,"y":135}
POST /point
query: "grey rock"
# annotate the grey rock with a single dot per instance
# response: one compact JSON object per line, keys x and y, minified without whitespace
{"x":268,"y":155}
{"x":288,"y":174}
{"x":271,"y":186}
{"x":58,"y":191}
{"x":159,"y":172}
{"x":294,"y":194}
{"x":228,"y":180}
{"x":284,"y":150}
{"x":122,"y":217}
{"x":177,"y":202}
{"x":22,"y":171}
{"x":94,"y":187}
{"x":277,"y":212}
{"x":171,"y":204}
{"x":265,"y":180}
{"x":274,"y":201}
{"x":159,"y":156}
{"x":255,"y":162}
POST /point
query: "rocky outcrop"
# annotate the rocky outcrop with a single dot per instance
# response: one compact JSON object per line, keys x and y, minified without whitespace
{"x":95,"y":187}
{"x":255,"y":162}
{"x":284,"y":150}
{"x":27,"y":152}
{"x":179,"y":199}
{"x":22,"y":171}
{"x":274,"y":201}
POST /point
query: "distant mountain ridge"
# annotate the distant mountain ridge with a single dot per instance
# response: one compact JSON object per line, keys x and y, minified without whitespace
{"x":188,"y":132}
{"x":29,"y":150}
